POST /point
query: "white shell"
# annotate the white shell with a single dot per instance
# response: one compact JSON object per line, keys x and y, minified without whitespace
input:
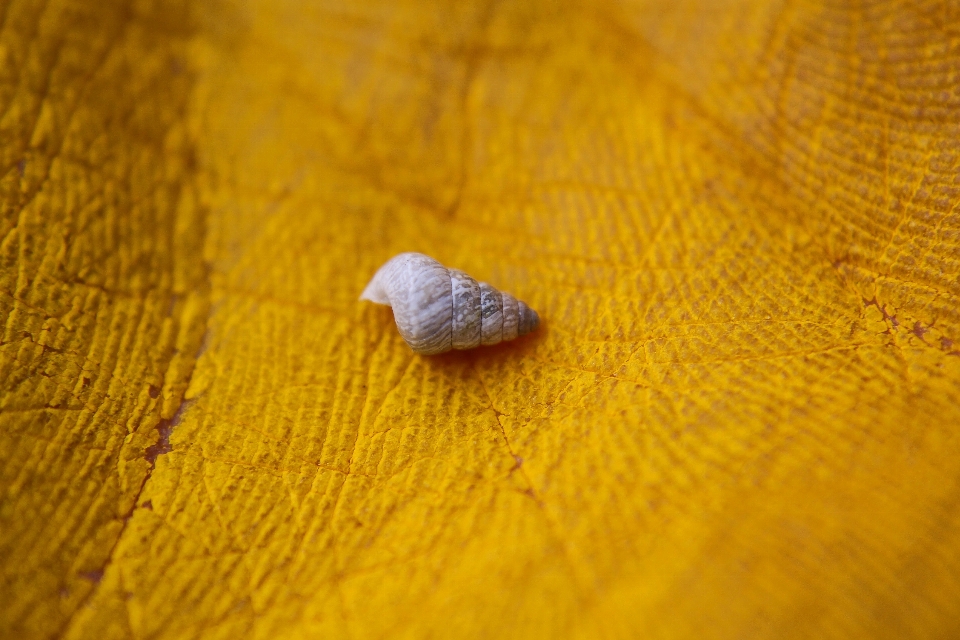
{"x":439,"y":309}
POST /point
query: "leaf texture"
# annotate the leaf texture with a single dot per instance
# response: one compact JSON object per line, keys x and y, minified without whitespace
{"x":738,"y":220}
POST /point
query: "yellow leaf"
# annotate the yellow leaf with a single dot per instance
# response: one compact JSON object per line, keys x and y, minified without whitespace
{"x":739,"y":222}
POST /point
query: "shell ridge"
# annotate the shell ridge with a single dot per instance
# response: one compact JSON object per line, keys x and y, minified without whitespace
{"x":453,"y":309}
{"x":480,"y":302}
{"x":466,"y":312}
{"x":491,"y":314}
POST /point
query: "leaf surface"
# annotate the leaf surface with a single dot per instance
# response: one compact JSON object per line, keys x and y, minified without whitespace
{"x":738,"y":221}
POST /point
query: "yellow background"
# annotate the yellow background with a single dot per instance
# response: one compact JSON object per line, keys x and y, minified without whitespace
{"x":738,"y":220}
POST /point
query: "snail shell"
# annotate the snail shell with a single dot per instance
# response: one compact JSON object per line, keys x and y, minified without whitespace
{"x":438,"y":309}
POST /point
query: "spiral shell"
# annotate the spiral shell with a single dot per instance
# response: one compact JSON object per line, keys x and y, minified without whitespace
{"x":438,"y":309}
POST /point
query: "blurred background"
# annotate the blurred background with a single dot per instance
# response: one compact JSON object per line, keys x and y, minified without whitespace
{"x":738,"y":221}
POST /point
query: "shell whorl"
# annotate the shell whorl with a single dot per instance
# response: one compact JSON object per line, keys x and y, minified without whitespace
{"x":438,"y":309}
